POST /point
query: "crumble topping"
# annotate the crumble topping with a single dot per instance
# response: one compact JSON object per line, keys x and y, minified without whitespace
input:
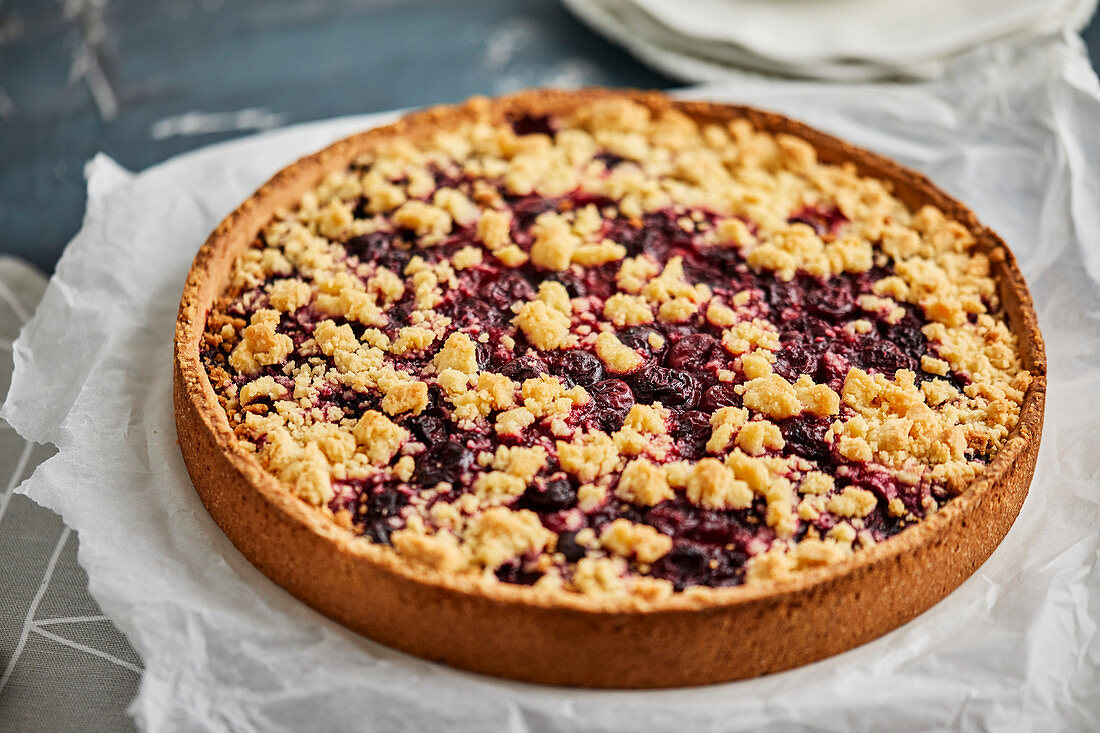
{"x":615,"y":352}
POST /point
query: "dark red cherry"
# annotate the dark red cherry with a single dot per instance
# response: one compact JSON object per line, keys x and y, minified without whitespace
{"x":554,"y":495}
{"x":443,"y":462}
{"x":718,"y":396}
{"x":611,"y":401}
{"x":804,"y":436}
{"x":692,"y":433}
{"x":670,"y":387}
{"x":692,"y":353}
{"x":524,"y":368}
{"x":581,"y":367}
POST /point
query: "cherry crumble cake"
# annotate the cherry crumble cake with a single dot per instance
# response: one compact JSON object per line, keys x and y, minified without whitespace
{"x":607,"y":351}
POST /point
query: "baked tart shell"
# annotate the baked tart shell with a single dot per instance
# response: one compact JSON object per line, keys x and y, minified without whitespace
{"x":698,"y":636}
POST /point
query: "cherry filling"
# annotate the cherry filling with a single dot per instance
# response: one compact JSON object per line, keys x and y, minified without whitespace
{"x":686,"y":369}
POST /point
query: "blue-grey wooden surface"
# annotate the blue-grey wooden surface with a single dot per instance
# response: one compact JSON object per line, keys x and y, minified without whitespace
{"x":143,"y":80}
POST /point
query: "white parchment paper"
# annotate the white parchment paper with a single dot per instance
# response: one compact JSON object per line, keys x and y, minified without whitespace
{"x":1013,"y":131}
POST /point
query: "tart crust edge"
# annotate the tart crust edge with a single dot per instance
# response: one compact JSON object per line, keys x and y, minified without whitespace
{"x":701,"y":635}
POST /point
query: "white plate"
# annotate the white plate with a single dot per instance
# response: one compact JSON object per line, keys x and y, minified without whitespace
{"x":702,"y":40}
{"x":886,"y":31}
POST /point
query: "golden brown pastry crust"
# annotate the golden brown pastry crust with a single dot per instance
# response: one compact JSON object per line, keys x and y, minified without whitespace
{"x":701,"y":635}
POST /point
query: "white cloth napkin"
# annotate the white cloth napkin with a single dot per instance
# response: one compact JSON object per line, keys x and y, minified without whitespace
{"x":712,"y":40}
{"x":1015,"y":648}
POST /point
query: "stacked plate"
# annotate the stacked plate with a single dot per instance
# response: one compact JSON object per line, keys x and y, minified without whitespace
{"x":710,"y":40}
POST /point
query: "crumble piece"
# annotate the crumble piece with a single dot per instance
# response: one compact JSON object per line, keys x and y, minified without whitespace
{"x":555,"y":296}
{"x":756,"y":364}
{"x":379,"y":437}
{"x":643,"y":483}
{"x":617,"y":356}
{"x":545,"y":327}
{"x":590,"y":497}
{"x":734,"y":232}
{"x":412,"y":338}
{"x":647,"y":419}
{"x":547,"y":396}
{"x":431,"y":223}
{"x":638,"y":540}
{"x":773,"y":396}
{"x":753,"y":471}
{"x":725,"y":423}
{"x":288,"y":295}
{"x":494,"y":229}
{"x":712,"y":484}
{"x":852,"y":502}
{"x":260,"y":344}
{"x":466,"y":258}
{"x":454,"y":202}
{"x":498,"y":487}
{"x":781,"y":563}
{"x":589,"y":456}
{"x":440,"y":551}
{"x":635,"y":272}
{"x":501,"y":534}
{"x":759,"y":436}
{"x":745,"y":336}
{"x":677,"y":310}
{"x":404,"y":468}
{"x":593,"y":255}
{"x":816,"y":482}
{"x":599,"y":575}
{"x":555,"y":243}
{"x":720,"y":315}
{"x":262,"y":387}
{"x":512,"y":422}
{"x":302,"y":467}
{"x":816,"y":398}
{"x":404,"y":396}
{"x":459,"y":353}
{"x":627,"y":310}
